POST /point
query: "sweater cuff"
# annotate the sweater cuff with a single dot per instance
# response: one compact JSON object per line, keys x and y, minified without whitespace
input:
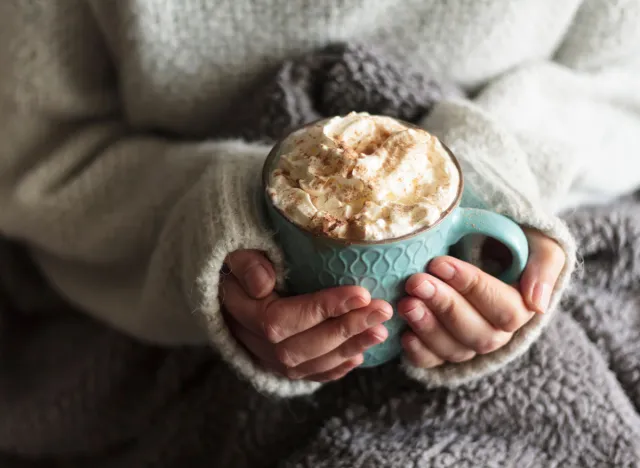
{"x":232,"y":218}
{"x":498,"y":171}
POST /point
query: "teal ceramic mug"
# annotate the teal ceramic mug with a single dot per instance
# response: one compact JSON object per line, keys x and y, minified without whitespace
{"x":317,"y":262}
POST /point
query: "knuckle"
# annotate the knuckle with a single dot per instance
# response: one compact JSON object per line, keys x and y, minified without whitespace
{"x":508,"y":322}
{"x":491,"y":297}
{"x":473,"y":285}
{"x":356,"y":361}
{"x":293,"y":374}
{"x":353,"y":347}
{"x":447,"y":312}
{"x":485,"y":345}
{"x":271,"y":329}
{"x":460,"y":356}
{"x":343,"y":329}
{"x":286,"y":357}
{"x":317,"y":310}
{"x":347,"y":350}
{"x":488,"y":345}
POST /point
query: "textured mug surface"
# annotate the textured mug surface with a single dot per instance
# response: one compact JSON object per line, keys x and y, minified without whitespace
{"x":316,"y":262}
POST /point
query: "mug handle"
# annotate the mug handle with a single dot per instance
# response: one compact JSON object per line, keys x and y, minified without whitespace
{"x":477,"y":221}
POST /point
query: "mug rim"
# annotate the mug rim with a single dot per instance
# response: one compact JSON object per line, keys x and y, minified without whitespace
{"x":266,"y":173}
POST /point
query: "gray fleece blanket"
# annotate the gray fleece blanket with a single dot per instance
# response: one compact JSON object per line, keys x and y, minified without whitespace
{"x":76,"y":394}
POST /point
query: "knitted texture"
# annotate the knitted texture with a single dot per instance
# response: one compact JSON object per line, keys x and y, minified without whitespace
{"x":130,"y":218}
{"x":80,"y":394}
{"x":114,"y":174}
{"x":335,"y":81}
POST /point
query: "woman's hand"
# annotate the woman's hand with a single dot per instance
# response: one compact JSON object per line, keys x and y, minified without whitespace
{"x":318,"y":336}
{"x":458,"y":311}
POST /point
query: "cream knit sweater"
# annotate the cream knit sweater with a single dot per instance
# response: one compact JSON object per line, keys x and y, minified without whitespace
{"x":107,"y":173}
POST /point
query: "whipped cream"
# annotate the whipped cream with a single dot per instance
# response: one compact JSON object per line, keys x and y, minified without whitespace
{"x":363,"y":177}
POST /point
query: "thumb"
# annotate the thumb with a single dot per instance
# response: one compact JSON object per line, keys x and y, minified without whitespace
{"x":253,"y":271}
{"x":546,"y":260}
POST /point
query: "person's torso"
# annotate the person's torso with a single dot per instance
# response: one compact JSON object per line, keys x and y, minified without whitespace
{"x":182,"y":63}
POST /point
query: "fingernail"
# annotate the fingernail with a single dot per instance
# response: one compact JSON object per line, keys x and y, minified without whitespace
{"x":356,"y":361}
{"x":413,"y":344}
{"x":444,"y":271}
{"x":541,"y":297}
{"x":257,"y":279}
{"x":380,"y":335}
{"x":415,"y":314}
{"x":425,"y":290}
{"x":376,"y":317}
{"x":355,"y":303}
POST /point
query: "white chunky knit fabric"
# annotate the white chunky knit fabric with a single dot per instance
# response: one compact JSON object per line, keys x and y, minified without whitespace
{"x":108,"y":173}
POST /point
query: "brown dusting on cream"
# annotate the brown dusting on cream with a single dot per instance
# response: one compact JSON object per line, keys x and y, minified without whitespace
{"x":346,"y":166}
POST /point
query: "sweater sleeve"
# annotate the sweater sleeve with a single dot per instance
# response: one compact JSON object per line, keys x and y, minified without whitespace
{"x":133,"y":227}
{"x":546,"y":137}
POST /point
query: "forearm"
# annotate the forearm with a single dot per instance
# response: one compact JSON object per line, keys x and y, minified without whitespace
{"x":105,"y":214}
{"x":579,"y":130}
{"x":497,"y":171}
{"x":93,"y":198}
{"x":538,"y":140}
{"x":131,"y":226}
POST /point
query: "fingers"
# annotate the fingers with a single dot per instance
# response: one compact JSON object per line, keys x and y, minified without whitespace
{"x":256,"y":345}
{"x":254,"y":272}
{"x":333,"y":366}
{"x":242,"y":307}
{"x":498,"y":303}
{"x":418,"y":354}
{"x":314,"y":347}
{"x":455,"y":314}
{"x":280,"y":318}
{"x":546,"y":260}
{"x":459,"y":311}
{"x":340,"y":371}
{"x":432,"y":333}
{"x":350,"y":349}
{"x":290,"y":316}
{"x":333,"y":333}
